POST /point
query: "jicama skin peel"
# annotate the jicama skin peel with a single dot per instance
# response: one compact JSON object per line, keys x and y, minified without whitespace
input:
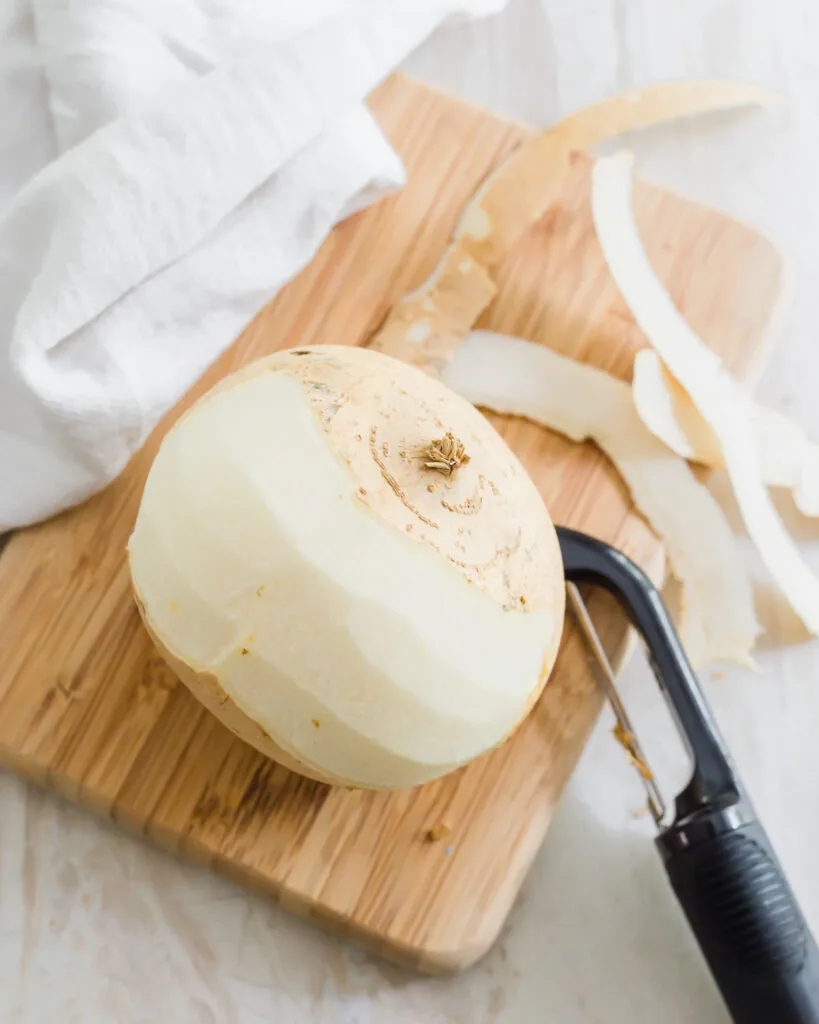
{"x":425,"y":327}
{"x":348,"y":566}
{"x":785,"y":456}
{"x":722,"y":404}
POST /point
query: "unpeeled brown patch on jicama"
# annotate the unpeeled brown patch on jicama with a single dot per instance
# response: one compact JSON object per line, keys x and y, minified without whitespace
{"x":521,"y":378}
{"x":723,"y":405}
{"x":425,"y":327}
{"x":786,"y":457}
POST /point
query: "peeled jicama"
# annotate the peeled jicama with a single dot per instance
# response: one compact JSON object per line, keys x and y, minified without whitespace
{"x":345,"y":563}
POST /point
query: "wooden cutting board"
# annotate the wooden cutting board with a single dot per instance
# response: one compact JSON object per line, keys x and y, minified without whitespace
{"x":88,"y":709}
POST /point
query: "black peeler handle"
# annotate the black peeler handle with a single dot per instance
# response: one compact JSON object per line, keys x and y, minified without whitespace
{"x":718,"y":858}
{"x":747,"y":922}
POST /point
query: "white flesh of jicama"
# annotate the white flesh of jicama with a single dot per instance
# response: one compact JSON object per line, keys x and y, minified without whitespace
{"x":725,"y":407}
{"x":512,"y":376}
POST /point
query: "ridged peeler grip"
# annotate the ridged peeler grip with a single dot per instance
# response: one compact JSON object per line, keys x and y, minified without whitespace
{"x":747,"y":922}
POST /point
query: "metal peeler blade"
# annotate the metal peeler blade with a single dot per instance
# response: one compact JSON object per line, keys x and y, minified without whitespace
{"x":608,"y":684}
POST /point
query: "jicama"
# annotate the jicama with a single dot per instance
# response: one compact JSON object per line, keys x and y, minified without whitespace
{"x":347,"y":565}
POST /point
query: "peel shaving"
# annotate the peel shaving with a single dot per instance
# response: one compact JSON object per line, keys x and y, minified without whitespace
{"x":699,"y":371}
{"x":426,"y":326}
{"x":785,"y":455}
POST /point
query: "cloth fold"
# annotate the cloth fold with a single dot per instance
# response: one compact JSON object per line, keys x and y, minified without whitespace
{"x":200,"y":152}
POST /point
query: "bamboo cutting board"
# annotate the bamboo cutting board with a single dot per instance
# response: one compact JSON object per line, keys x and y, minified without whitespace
{"x":88,"y":709}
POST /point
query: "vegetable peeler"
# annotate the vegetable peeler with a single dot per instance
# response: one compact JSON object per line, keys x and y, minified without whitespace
{"x":716,"y":854}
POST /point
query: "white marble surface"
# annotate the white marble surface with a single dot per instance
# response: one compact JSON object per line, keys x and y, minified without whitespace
{"x":97,"y":927}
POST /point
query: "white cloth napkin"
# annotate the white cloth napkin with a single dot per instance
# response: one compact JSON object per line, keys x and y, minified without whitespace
{"x":165,"y":167}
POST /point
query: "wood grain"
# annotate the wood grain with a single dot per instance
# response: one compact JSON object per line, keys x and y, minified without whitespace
{"x":87,"y":707}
